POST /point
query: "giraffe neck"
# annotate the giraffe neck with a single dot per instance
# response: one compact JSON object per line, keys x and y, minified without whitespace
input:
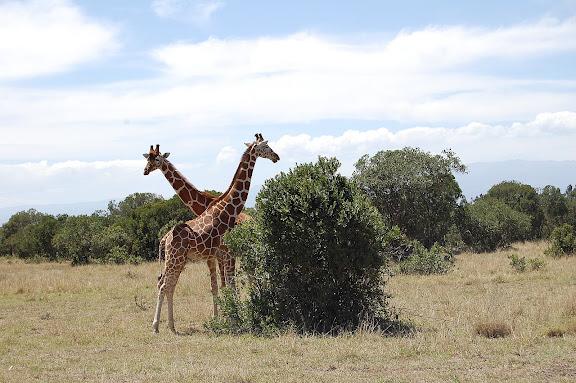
{"x":229,"y":205}
{"x":193,"y":198}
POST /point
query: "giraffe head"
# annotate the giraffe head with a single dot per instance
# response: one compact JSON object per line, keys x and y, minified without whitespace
{"x":261,"y":149}
{"x":155,"y":159}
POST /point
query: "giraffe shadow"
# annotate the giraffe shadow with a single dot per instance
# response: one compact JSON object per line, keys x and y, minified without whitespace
{"x":190,"y":330}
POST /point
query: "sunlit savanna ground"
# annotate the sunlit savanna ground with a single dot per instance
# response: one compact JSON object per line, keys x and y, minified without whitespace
{"x":93,"y":323}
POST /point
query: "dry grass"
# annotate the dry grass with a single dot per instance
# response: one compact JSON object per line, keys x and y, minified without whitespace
{"x":67,"y":324}
{"x":493,"y":329}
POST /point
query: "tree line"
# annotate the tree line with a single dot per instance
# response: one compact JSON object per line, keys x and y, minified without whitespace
{"x":415,"y":193}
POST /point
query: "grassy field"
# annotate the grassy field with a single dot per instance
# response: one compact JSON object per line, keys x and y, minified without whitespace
{"x":93,"y":323}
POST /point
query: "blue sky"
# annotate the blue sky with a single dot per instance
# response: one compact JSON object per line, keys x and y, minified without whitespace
{"x":87,"y":86}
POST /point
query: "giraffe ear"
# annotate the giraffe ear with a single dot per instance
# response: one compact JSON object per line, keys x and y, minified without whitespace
{"x":165,"y":155}
{"x":247,"y":144}
{"x":146,"y":155}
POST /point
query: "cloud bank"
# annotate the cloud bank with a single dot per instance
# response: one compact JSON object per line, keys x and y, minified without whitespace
{"x":429,"y":49}
{"x":41,"y":37}
{"x":548,"y":136}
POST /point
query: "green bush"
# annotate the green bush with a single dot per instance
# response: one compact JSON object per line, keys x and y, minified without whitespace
{"x":234,"y":315}
{"x":522,"y":198}
{"x":313,"y":254}
{"x":521,"y":264}
{"x":453,"y":241}
{"x":413,"y":190}
{"x":436,"y":260}
{"x":397,"y":245}
{"x":536,"y":263}
{"x":562,"y":241}
{"x":28,"y":234}
{"x":488,"y":224}
{"x":77,"y":238}
{"x":555,"y":207}
{"x":517,"y":263}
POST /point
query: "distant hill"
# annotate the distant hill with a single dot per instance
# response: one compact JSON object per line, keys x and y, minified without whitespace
{"x":483,"y":175}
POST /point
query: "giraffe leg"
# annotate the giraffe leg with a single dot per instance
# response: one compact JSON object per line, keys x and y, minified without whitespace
{"x":213,"y":282}
{"x":170,"y":286}
{"x":231,"y":272}
{"x":156,"y":321}
{"x":222,"y":269}
{"x":173,"y":265}
{"x":228,"y":264}
{"x":170,"y":300}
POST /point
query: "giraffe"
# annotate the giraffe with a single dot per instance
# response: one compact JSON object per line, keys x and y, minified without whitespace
{"x":199,"y":239}
{"x":196,"y":201}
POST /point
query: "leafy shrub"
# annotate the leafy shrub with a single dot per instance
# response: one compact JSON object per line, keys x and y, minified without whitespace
{"x":313,"y":254}
{"x":234,"y":315}
{"x":517,"y":263}
{"x":397,"y":245}
{"x":436,"y":260}
{"x":562,"y":241}
{"x":489,"y":223}
{"x":412,"y":189}
{"x":522,"y":264}
{"x":453,"y":241}
{"x":119,"y":255}
{"x":536,"y":263}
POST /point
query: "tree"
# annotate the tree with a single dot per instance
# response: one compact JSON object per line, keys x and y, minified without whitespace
{"x":522,"y":198}
{"x":143,"y":224}
{"x":132,"y":202}
{"x":77,"y":238}
{"x":28,"y":234}
{"x":413,"y":189}
{"x":489,"y":223}
{"x":562,"y":241}
{"x":555,"y":207}
{"x":313,"y":253}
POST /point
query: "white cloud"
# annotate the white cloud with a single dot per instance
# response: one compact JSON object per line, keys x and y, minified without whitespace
{"x":197,"y":11}
{"x":43,"y":168}
{"x":64,"y":182}
{"x":227,"y":154}
{"x":432,"y":48}
{"x":40,"y":37}
{"x":550,"y":136}
{"x":69,"y":181}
